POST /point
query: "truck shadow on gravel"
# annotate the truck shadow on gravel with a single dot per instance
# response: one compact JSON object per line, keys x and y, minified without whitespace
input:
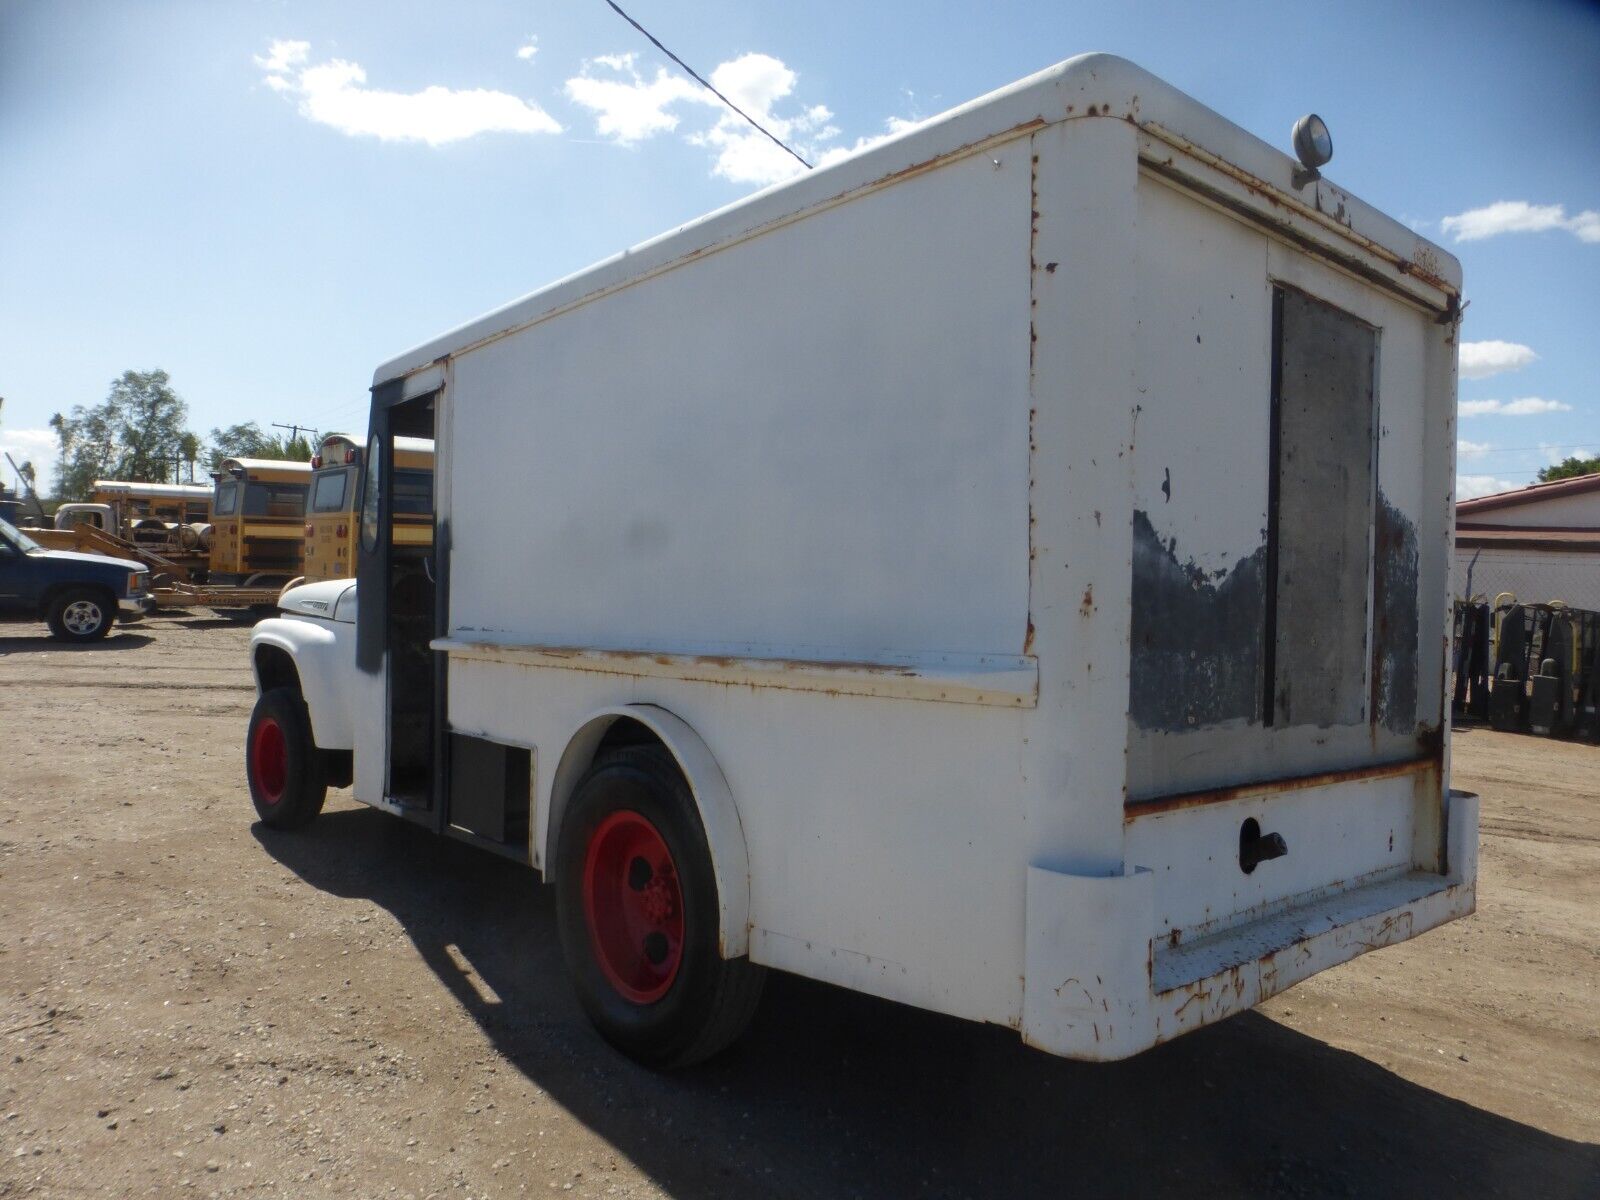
{"x":834,"y":1094}
{"x":115,"y":640}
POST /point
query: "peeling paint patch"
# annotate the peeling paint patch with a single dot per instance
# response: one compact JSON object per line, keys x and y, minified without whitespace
{"x":1395,"y":629}
{"x":1196,"y":656}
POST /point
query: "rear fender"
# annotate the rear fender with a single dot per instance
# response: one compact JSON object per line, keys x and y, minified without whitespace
{"x":719,"y":816}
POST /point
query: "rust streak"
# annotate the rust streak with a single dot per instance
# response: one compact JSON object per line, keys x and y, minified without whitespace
{"x":1185,"y":800}
{"x":918,"y":167}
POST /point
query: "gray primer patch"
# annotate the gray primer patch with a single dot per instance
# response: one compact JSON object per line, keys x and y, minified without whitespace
{"x":1196,"y":655}
{"x":1394,"y":631}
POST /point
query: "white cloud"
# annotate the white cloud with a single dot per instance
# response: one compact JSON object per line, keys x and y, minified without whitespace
{"x":1532,"y":405}
{"x":528,"y":49}
{"x":1466,"y":449}
{"x":630,"y":110}
{"x":1470,"y":487}
{"x":38,"y":446}
{"x":893,"y":127}
{"x":1526,"y":406}
{"x":629,"y":107}
{"x":334,"y":93}
{"x":1479,"y":360}
{"x":1518,"y":216}
{"x":283,"y":56}
{"x":756,"y":82}
{"x":1556,"y":454}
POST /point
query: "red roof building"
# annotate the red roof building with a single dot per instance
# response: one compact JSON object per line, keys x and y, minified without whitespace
{"x":1540,"y":543}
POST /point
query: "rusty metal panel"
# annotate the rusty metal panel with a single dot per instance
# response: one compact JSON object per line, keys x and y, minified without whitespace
{"x":1200,"y":467}
{"x":1202,"y":462}
{"x":1395,"y":619}
{"x":1320,"y":530}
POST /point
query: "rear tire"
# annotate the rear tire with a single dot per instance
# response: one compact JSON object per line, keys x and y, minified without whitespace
{"x":287,"y":774}
{"x":636,"y":905}
{"x":81,"y":615}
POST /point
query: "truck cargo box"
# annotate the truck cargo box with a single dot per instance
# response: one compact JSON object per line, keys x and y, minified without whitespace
{"x":1029,"y":538}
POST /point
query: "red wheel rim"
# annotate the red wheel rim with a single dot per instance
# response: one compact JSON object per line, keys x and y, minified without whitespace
{"x":633,"y":905}
{"x":269,"y":761}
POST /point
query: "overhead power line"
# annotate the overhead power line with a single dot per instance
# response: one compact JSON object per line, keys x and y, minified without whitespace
{"x":698,"y":78}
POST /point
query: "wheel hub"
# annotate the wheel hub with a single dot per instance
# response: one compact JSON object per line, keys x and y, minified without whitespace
{"x":633,"y":906}
{"x":269,"y":761}
{"x":81,"y":616}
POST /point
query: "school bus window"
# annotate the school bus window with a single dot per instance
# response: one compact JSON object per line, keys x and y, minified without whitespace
{"x":227,"y":499}
{"x":274,"y":499}
{"x":330,"y":491}
{"x":413,"y":493}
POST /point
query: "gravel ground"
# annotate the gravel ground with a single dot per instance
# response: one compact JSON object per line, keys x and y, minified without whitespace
{"x":193,"y":1005}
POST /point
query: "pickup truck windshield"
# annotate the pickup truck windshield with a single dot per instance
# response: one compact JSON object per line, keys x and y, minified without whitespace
{"x":17,"y":538}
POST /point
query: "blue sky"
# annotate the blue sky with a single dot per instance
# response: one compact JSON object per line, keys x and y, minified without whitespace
{"x":268,"y":199}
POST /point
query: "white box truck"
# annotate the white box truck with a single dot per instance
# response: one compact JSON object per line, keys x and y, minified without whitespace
{"x":1004,"y":572}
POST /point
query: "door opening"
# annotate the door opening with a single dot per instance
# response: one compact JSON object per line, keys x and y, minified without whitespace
{"x":412,"y":590}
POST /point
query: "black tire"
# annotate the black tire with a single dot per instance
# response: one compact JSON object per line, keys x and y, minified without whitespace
{"x":710,"y":1000}
{"x":287,"y":773}
{"x":81,"y":614}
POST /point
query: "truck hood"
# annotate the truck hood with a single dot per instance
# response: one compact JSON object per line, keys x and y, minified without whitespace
{"x":99,"y":560}
{"x":319,"y":600}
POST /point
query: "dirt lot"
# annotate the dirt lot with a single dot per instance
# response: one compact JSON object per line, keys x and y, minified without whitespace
{"x":191,"y":1005}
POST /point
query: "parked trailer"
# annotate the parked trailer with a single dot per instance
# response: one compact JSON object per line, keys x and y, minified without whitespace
{"x":94,"y":538}
{"x":997,"y":572}
{"x":172,"y":503}
{"x":222,"y":597}
{"x":170,"y":521}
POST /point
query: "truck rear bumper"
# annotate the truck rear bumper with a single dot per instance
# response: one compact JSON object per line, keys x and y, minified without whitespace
{"x":1098,"y":987}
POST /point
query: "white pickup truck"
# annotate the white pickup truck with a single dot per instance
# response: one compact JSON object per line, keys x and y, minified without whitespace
{"x":1004,"y":572}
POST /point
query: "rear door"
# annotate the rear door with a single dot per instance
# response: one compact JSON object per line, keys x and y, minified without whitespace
{"x":1278,"y":671}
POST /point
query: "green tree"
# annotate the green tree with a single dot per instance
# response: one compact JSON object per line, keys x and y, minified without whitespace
{"x":136,"y":434}
{"x":189,"y":451}
{"x":1569,"y":467}
{"x":247,"y":441}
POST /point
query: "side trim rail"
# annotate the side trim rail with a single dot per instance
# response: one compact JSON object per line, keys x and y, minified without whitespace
{"x":1006,"y":681}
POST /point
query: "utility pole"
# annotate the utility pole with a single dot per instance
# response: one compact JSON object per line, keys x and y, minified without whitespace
{"x":294,"y":434}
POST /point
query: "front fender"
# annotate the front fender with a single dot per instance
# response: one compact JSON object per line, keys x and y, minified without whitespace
{"x":323,"y":654}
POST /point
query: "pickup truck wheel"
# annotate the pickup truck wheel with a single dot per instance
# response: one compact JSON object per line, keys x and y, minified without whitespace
{"x":81,"y":615}
{"x":288,"y":781}
{"x":636,"y":905}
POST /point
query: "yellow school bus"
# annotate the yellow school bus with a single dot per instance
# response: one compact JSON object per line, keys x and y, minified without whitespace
{"x":258,"y":520}
{"x":331,"y":517}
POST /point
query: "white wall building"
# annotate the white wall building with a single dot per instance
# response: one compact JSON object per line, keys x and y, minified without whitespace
{"x":1541,"y":543}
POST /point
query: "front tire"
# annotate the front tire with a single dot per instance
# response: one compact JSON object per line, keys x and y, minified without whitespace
{"x":636,"y":904}
{"x":81,"y":615}
{"x":288,"y":780}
